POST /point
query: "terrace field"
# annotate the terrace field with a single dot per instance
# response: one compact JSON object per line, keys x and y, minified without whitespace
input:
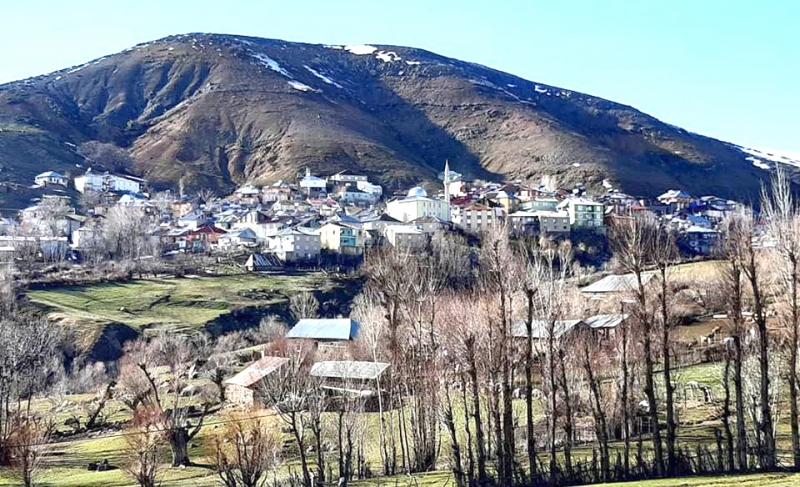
{"x":102,"y":315}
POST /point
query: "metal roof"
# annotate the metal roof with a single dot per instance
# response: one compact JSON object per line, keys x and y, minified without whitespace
{"x":605,"y":321}
{"x":519,"y":328}
{"x":349,"y":369}
{"x":257,"y":371}
{"x":325,"y":329}
{"x":616,"y":284}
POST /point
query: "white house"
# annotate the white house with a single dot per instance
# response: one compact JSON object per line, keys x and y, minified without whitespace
{"x":109,"y":182}
{"x":367,"y":187}
{"x":312,"y":184}
{"x":91,"y":181}
{"x":417,"y":204}
{"x":343,"y":238}
{"x":295,"y":245}
{"x":347,"y":178}
{"x":51,"y":177}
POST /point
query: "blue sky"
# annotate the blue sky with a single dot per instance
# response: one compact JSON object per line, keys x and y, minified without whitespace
{"x":722,"y":68}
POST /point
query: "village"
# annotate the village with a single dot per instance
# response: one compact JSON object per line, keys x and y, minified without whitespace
{"x":316,"y":221}
{"x":486,"y":273}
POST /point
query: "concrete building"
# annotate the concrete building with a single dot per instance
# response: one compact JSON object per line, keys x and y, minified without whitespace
{"x":477,"y":218}
{"x":583,"y":213}
{"x":51,"y":177}
{"x":418,"y":204}
{"x":342,"y":238}
{"x":353,"y":196}
{"x":546,"y":223}
{"x":295,"y":245}
{"x":109,"y":182}
{"x":347,"y":178}
{"x":405,"y":236}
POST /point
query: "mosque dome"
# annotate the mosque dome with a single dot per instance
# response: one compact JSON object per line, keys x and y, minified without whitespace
{"x":417,"y":191}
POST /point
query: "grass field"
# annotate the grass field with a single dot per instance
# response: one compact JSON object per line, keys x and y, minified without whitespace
{"x":182,"y":304}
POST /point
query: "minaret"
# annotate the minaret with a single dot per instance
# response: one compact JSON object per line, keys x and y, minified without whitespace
{"x":447,"y":188}
{"x":447,"y":181}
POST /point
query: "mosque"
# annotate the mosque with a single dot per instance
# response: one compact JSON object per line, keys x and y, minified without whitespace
{"x":417,"y":203}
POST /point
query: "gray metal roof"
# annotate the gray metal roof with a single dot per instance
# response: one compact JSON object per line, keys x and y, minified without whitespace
{"x":519,"y":328}
{"x":257,"y":371}
{"x":349,"y":369}
{"x":325,"y":329}
{"x":605,"y":321}
{"x":615,"y":284}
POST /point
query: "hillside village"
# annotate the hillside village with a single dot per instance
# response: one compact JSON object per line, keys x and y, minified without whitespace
{"x":319,"y":220}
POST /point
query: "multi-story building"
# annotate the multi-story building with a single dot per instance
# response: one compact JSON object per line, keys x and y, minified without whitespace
{"x":354,"y":196}
{"x":405,"y":236}
{"x":51,"y":177}
{"x":342,"y":238}
{"x":347,"y":178}
{"x":92,"y":181}
{"x":418,"y":204}
{"x":295,"y":245}
{"x":539,"y":204}
{"x":477,"y":218}
{"x":584,"y":213}
{"x":545,"y":223}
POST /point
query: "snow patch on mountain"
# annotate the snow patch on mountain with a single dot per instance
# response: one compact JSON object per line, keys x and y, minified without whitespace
{"x":360,"y":49}
{"x":758,"y":163}
{"x":322,"y":77}
{"x":782,"y":157}
{"x":387,"y":57}
{"x":271,"y":64}
{"x":300,"y":86}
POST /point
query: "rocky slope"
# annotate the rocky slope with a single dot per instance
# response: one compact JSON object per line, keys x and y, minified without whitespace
{"x":219,"y":110}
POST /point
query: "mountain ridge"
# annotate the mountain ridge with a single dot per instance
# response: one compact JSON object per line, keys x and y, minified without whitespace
{"x":218,"y":110}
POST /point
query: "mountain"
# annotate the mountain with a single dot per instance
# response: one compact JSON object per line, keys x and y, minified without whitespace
{"x":219,"y":110}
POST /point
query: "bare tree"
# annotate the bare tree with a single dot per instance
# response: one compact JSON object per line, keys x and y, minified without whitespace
{"x":54,"y":212}
{"x":113,"y":158}
{"x":206,"y":196}
{"x":304,"y":305}
{"x":753,"y":270}
{"x":736,"y":230}
{"x":217,"y":369}
{"x":633,"y":242}
{"x":129,"y":233}
{"x":245,"y":451}
{"x":28,"y":355}
{"x":174,"y":352}
{"x":288,"y":391}
{"x":27,"y":445}
{"x":783,"y":225}
{"x":143,"y":440}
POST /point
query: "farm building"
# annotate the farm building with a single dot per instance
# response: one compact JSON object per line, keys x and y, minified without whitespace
{"x":615,"y":285}
{"x":349,"y":378}
{"x":258,"y":262}
{"x":539,"y":328}
{"x":325,"y":330}
{"x":240,"y":389}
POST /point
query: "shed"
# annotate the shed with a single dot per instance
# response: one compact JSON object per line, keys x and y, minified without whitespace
{"x":326,"y":330}
{"x":351,"y":379}
{"x":239,"y":389}
{"x":262,"y":262}
{"x":616,"y":284}
{"x":519,"y":328}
